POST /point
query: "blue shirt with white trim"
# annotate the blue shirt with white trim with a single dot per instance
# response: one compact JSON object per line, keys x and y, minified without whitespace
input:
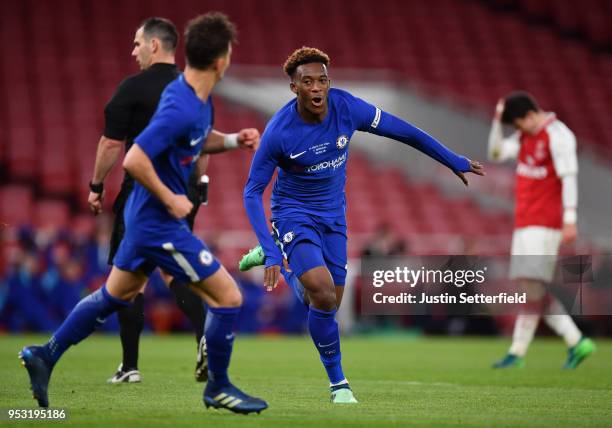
{"x":311,"y":160}
{"x":173,"y":141}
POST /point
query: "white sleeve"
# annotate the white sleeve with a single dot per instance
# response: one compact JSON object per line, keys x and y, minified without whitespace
{"x":569,"y":198}
{"x":563,"y":151}
{"x":501,"y":149}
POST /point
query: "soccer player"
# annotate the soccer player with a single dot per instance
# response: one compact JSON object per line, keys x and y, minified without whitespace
{"x":308,"y":141}
{"x":126,"y":115}
{"x":545,"y":217}
{"x":161,"y":160}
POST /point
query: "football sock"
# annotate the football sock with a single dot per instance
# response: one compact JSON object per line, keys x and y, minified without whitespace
{"x":219,"y":342}
{"x":131,"y":323}
{"x":561,"y":323}
{"x":326,"y":337}
{"x":524,"y":330}
{"x":191,"y":305}
{"x":342,"y":382}
{"x":89,"y":313}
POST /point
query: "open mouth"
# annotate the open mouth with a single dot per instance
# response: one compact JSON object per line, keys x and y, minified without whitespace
{"x":317,"y":101}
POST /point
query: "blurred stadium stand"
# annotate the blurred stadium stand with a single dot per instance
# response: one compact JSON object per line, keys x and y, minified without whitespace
{"x":585,"y":20}
{"x":63,"y":59}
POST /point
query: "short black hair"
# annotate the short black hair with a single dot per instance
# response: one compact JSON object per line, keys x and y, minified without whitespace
{"x":207,"y":37}
{"x":304,"y":55}
{"x":517,"y":105}
{"x":162,"y":29}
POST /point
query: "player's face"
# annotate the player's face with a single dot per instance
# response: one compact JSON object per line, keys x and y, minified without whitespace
{"x":527,"y":124}
{"x":142,"y":50}
{"x":311,"y":85}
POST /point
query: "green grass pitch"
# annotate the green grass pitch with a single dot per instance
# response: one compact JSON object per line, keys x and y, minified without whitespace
{"x":400,"y":381}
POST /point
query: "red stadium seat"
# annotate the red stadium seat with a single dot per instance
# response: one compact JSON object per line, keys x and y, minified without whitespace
{"x":51,"y":214}
{"x":15,"y":205}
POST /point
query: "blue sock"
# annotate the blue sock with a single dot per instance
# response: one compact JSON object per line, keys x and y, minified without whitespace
{"x":295,"y":284}
{"x":88,"y":314}
{"x":326,"y":337}
{"x":219,"y":342}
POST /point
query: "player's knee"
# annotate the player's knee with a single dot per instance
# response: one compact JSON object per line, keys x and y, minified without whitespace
{"x":231,"y":298}
{"x":320,"y":289}
{"x":323,"y":298}
{"x":234,"y":300}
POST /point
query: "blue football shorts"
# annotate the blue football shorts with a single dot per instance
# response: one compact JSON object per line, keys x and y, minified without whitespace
{"x":308,"y":242}
{"x":182,"y":255}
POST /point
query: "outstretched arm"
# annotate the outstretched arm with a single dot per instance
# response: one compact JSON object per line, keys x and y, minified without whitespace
{"x":399,"y":130}
{"x":371,"y":119}
{"x":218,"y":142}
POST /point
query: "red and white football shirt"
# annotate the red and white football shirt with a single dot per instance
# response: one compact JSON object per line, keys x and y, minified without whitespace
{"x":544,"y":157}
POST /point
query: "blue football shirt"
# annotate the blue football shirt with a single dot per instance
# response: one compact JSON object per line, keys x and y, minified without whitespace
{"x":173,"y":141}
{"x":311,"y":160}
{"x":311,"y":157}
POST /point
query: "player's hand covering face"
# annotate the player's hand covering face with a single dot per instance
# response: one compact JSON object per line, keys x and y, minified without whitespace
{"x":248,"y":138}
{"x":475,"y":167}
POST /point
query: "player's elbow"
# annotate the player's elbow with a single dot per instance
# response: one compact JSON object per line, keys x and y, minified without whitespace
{"x":247,"y":195}
{"x":130,"y":162}
{"x":252,"y":192}
{"x":249,"y":201}
{"x":135,"y":159}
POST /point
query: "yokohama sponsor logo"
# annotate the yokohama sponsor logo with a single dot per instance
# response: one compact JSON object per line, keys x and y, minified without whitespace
{"x":336,"y":163}
{"x":528,"y":171}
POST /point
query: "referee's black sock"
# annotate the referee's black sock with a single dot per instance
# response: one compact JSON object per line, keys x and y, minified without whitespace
{"x":131,"y":322}
{"x":191,"y":305}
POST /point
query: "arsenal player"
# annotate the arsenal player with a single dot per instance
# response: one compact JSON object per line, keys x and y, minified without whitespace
{"x":545,"y":217}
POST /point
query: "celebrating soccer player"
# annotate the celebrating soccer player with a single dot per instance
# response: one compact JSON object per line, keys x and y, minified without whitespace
{"x":308,"y":141}
{"x":161,"y":160}
{"x":545,"y":217}
{"x":126,"y":115}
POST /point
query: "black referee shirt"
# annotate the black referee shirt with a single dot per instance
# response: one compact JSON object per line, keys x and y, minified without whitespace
{"x":132,"y":105}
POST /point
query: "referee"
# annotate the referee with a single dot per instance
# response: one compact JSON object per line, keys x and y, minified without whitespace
{"x":126,"y":115}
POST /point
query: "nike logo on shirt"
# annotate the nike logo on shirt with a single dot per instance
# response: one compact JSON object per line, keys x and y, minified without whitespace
{"x":292,"y":156}
{"x":195,"y":141}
